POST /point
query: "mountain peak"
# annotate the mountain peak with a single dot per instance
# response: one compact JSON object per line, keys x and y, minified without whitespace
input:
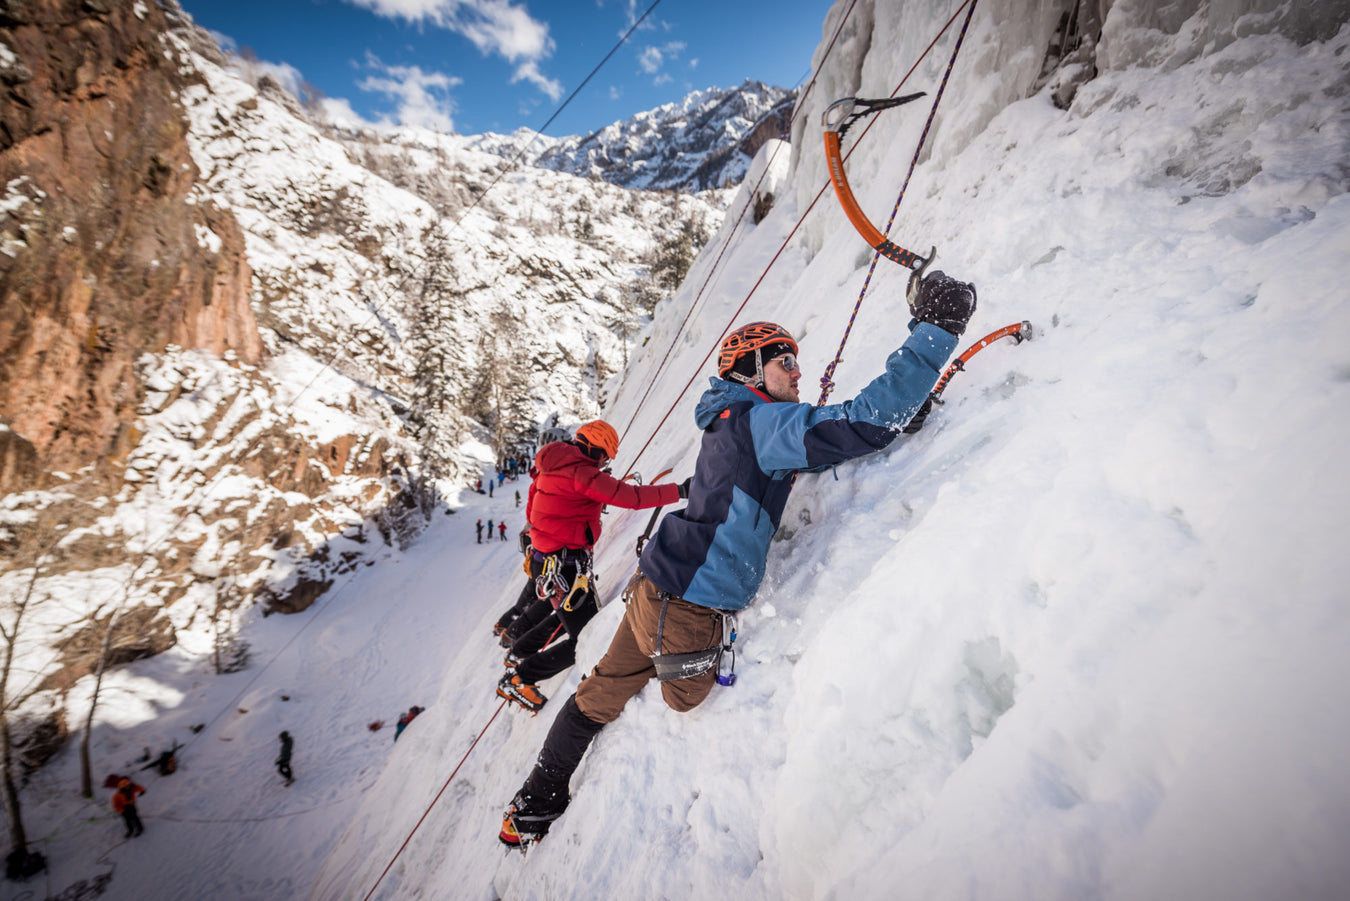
{"x":690,"y":145}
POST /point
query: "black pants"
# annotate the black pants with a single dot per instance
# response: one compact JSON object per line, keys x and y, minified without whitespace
{"x":526,"y":600}
{"x":284,"y":768}
{"x":133,"y":821}
{"x":558,"y":656}
{"x":545,"y":790}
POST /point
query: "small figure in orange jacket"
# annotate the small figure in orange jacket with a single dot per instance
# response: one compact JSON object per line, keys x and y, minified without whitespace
{"x":124,"y":803}
{"x":567,"y":494}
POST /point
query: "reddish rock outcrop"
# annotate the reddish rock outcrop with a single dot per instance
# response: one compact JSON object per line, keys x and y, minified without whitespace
{"x":105,"y":252}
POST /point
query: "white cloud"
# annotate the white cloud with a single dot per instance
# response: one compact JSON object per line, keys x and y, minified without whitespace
{"x":529,"y":71}
{"x":223,"y":41}
{"x":338,"y":111}
{"x":494,"y":26}
{"x":652,"y":58}
{"x":283,"y":74}
{"x":244,"y":61}
{"x":615,"y":92}
{"x":423,"y":98}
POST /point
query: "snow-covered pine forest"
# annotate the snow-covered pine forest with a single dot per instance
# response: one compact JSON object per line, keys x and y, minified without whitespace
{"x":1080,"y":637}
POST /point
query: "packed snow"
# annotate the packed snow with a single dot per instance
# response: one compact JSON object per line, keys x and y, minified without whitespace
{"x":1083,"y":636}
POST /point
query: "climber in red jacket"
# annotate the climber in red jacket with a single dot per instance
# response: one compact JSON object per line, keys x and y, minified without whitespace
{"x":568,"y":492}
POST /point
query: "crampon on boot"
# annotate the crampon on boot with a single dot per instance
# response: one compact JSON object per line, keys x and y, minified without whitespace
{"x":516,"y":691}
{"x":523,"y":826}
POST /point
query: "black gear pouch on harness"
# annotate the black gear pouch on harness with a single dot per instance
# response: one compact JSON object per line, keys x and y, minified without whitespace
{"x":670,"y":667}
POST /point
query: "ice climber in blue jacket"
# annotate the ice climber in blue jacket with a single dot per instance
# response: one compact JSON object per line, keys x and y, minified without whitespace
{"x":706,"y":561}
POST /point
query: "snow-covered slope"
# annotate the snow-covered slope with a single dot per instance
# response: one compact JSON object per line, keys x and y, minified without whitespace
{"x":1077,"y":638}
{"x":1081,"y":637}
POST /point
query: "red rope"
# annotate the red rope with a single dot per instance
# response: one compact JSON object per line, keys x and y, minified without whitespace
{"x":433,"y":803}
{"x":827,"y":380}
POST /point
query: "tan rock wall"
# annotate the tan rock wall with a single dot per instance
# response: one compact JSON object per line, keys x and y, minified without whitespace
{"x":112,"y":255}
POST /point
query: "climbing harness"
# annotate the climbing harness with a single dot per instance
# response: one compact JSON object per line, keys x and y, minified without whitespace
{"x":1019,"y":331}
{"x":670,"y":667}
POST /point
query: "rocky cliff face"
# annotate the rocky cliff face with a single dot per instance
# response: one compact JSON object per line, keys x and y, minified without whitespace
{"x":133,"y":374}
{"x":107,"y":250}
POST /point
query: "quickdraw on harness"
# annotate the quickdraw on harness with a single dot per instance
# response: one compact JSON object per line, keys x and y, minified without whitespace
{"x":552,"y":584}
{"x":670,"y":667}
{"x":1019,"y":331}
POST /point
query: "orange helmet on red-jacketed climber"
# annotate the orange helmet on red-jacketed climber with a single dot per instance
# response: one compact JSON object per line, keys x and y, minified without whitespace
{"x":600,"y":434}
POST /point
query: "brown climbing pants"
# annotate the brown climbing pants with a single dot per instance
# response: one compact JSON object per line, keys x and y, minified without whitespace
{"x":627,"y":665}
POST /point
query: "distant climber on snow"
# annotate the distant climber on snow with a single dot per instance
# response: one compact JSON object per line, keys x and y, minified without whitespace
{"x":567,"y":493}
{"x":284,"y":759}
{"x":124,"y":804}
{"x":405,"y":718}
{"x":706,"y":561}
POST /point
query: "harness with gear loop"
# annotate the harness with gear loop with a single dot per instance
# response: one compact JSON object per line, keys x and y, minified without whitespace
{"x":552,"y":584}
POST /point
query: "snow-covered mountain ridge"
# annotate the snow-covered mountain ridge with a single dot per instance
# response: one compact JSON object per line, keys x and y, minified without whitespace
{"x":704,"y":141}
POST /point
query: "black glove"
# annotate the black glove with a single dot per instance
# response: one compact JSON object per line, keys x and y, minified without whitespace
{"x":684,"y":488}
{"x":944,"y":302}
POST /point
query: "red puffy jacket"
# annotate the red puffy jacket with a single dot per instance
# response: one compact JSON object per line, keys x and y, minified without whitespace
{"x":568,"y":492}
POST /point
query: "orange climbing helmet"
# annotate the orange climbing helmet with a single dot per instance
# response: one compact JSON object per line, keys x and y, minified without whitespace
{"x":753,"y":337}
{"x":600,"y":434}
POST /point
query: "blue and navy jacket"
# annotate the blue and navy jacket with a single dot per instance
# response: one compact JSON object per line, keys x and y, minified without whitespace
{"x":713,"y":552}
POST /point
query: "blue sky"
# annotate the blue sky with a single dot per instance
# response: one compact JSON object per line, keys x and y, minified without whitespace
{"x":473,"y":66}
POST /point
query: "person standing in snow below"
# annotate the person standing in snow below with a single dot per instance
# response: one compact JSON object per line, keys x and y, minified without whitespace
{"x":565,"y":499}
{"x":501,"y":530}
{"x":489,"y":530}
{"x":124,"y":803}
{"x":707,"y":561}
{"x":489,"y":488}
{"x":284,"y":759}
{"x":517,"y":498}
{"x":479,"y":527}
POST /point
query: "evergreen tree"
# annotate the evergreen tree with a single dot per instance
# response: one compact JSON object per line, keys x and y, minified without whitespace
{"x":501,"y":397}
{"x":439,"y":358}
